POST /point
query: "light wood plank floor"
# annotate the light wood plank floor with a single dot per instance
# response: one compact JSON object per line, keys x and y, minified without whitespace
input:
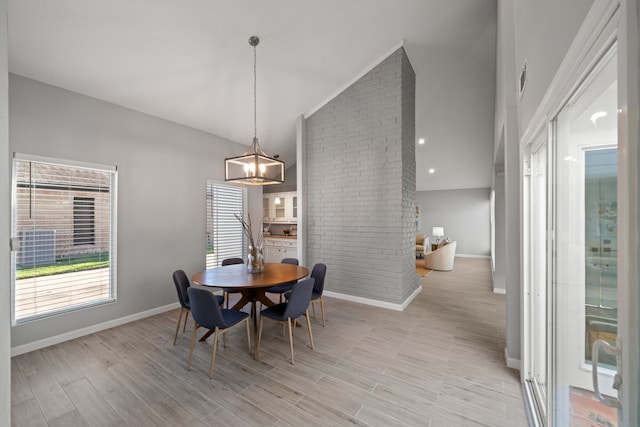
{"x":438,"y":363}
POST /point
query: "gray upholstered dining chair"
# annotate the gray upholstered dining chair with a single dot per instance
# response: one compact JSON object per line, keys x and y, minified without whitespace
{"x":297,"y":305}
{"x":284,"y":287}
{"x":227,"y":291}
{"x":181,"y":281}
{"x":319,"y":272}
{"x":208,"y":314}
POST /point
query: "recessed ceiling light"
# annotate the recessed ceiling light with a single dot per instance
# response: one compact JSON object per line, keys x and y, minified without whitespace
{"x":421,"y":141}
{"x":432,"y":170}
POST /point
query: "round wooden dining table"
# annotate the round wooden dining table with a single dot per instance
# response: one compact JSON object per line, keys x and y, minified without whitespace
{"x":252,"y":286}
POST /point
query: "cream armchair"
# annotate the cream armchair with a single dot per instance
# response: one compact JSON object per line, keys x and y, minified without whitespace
{"x":442,"y":258}
{"x":422,"y":243}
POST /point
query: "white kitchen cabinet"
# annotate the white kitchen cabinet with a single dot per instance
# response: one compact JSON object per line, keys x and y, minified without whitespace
{"x":275,"y":249}
{"x":284,"y":212}
{"x":289,"y":249}
{"x":270,"y":249}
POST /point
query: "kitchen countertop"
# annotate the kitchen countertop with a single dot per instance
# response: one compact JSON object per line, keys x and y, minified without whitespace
{"x":281,"y":236}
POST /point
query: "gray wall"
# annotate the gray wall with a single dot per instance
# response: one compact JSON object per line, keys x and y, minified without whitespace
{"x":500,"y":254}
{"x":464,"y":214}
{"x":5,"y":296}
{"x":360,"y":189}
{"x":544,"y":30}
{"x":540,"y":32}
{"x":162,"y":173}
{"x":290,"y":182}
{"x":455,"y":87}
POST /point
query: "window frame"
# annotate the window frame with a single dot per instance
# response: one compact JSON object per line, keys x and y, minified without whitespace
{"x":111,"y":243}
{"x":214,"y":260}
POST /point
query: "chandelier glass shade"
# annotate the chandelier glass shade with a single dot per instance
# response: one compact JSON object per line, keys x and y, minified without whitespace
{"x":254,"y":167}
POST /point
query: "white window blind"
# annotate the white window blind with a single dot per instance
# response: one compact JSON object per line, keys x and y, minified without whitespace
{"x":63,"y":228}
{"x":225,"y":238}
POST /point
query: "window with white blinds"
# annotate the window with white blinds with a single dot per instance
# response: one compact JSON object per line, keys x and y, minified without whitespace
{"x":225,"y":238}
{"x":63,"y":236}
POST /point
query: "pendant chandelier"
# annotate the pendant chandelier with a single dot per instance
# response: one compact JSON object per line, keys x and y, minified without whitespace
{"x":254,"y":167}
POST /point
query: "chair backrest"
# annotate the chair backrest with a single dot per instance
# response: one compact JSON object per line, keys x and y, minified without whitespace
{"x":205,"y":309}
{"x":231,"y":261}
{"x":299,"y":299}
{"x":182,"y":283}
{"x":318,"y":273}
{"x":293,"y":261}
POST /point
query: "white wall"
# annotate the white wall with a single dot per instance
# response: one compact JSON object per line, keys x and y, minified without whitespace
{"x":162,"y":173}
{"x":5,"y":297}
{"x":464,"y":214}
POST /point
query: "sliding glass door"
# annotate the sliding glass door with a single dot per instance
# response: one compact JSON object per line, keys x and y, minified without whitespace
{"x":571,"y":268}
{"x":584,"y":249}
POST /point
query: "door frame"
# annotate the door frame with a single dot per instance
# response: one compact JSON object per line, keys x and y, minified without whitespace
{"x":542,"y":139}
{"x":629,"y":226}
{"x":606,"y":21}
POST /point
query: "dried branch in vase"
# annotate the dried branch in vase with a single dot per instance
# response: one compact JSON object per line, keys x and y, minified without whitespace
{"x":247,"y":228}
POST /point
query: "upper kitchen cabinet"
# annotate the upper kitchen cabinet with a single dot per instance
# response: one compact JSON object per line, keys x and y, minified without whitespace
{"x":286,"y":211}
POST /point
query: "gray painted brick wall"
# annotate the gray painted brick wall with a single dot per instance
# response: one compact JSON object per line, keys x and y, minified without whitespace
{"x":361,"y":173}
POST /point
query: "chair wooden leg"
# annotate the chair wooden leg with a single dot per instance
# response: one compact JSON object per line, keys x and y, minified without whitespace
{"x":309,"y":327}
{"x":186,"y":318}
{"x":213,"y":354}
{"x":313,"y":308}
{"x":256,"y":355}
{"x":290,"y":338}
{"x":193,"y":342}
{"x":178,"y":326}
{"x":248,"y":334}
{"x":322,"y":308}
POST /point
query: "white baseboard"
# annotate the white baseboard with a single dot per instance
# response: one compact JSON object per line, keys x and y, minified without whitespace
{"x":375,"y":302}
{"x":511,"y":363}
{"x":46,"y":342}
{"x":499,"y":291}
{"x":473,"y":256}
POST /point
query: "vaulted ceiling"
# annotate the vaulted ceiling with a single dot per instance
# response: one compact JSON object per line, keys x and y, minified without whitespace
{"x":190,"y":63}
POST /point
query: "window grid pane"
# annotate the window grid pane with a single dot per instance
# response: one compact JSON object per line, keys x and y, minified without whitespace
{"x":63,"y":221}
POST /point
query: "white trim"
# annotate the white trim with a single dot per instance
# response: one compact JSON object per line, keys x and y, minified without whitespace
{"x":64,"y":162}
{"x":355,"y":79}
{"x":46,"y":342}
{"x":629,"y":203}
{"x":375,"y":302}
{"x":511,"y":362}
{"x":499,"y":291}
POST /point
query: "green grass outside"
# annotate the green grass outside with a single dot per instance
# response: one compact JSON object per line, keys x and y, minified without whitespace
{"x":66,"y":265}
